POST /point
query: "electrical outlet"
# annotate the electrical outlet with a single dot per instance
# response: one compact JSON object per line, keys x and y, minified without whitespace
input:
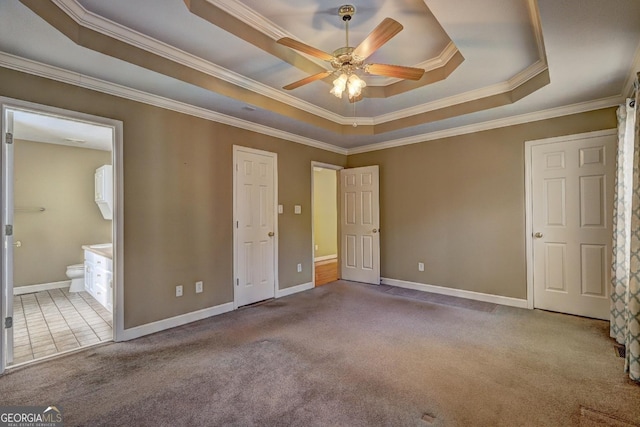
{"x":299,"y":268}
{"x":199,"y":287}
{"x":179,"y":290}
{"x":421,"y":266}
{"x":280,"y":209}
{"x":297,"y":209}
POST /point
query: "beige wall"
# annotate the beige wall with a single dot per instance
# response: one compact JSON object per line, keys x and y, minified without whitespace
{"x":458,"y":205}
{"x":61,"y":180}
{"x":325,"y":215}
{"x":178,"y":184}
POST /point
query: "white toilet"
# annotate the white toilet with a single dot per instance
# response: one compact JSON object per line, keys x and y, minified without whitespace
{"x":75,"y":272}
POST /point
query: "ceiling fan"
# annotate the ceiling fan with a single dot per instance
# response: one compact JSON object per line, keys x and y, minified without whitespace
{"x":346,"y":60}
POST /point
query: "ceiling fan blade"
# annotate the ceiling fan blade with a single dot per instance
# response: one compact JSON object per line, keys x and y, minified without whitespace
{"x":379,"y":36}
{"x":396,"y":71}
{"x":308,"y":80}
{"x":304,"y":48}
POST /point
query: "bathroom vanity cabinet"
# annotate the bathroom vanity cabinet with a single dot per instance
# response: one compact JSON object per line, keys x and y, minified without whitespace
{"x":98,"y":276}
{"x":104,"y":190}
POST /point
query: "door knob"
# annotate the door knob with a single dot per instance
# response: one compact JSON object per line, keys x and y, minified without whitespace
{"x":376,"y":230}
{"x":538,"y":235}
{"x":17,"y":243}
{"x":271,"y":234}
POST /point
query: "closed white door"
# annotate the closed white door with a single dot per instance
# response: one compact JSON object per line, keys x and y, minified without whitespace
{"x":572,"y":205}
{"x":255,"y":232}
{"x":360,"y":224}
{"x":6,"y":350}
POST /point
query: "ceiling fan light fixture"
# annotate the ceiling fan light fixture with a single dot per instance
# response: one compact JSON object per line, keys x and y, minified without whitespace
{"x":339,"y":85}
{"x":355,"y":85}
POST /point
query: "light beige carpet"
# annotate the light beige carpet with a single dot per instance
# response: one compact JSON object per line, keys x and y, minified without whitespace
{"x":345,"y":354}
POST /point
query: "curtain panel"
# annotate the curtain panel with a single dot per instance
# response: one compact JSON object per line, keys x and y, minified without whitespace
{"x":625,"y":269}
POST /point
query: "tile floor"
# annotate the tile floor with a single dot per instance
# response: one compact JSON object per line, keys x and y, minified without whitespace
{"x":49,"y":322}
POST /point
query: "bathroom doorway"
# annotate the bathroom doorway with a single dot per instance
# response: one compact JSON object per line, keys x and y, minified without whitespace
{"x":324,"y":184}
{"x":59,"y":219}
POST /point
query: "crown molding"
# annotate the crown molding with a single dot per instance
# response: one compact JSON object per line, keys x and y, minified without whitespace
{"x":254,"y":19}
{"x":65,"y":76}
{"x":534,"y":15}
{"x":97,"y":23}
{"x":495,"y":124}
{"x":124,"y":34}
{"x":496,"y":89}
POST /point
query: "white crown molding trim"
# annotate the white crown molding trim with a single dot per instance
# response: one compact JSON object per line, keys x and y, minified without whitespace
{"x":494,"y":124}
{"x":294,"y":290}
{"x":496,"y":89}
{"x":250,"y":17}
{"x":172,"y":322}
{"x":29,"y":289}
{"x":534,"y":15}
{"x":76,"y":79}
{"x":124,"y":34}
{"x":460,"y":293}
{"x":112,"y":29}
{"x":54,"y":73}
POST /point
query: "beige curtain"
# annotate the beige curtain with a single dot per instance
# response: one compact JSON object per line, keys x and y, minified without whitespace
{"x":625,"y":295}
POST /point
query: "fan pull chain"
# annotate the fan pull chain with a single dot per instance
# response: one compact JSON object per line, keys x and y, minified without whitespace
{"x":355,"y":124}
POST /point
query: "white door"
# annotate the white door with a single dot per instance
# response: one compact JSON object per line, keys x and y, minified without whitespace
{"x":255,"y":232}
{"x":572,"y":205}
{"x":7,"y":235}
{"x":360,"y":224}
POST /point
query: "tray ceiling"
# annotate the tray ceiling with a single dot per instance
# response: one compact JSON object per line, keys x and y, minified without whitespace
{"x":487,"y":62}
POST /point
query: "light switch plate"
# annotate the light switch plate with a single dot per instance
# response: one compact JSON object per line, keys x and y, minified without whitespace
{"x":179,"y":290}
{"x":199,"y":286}
{"x":297,"y":209}
{"x":280,"y":209}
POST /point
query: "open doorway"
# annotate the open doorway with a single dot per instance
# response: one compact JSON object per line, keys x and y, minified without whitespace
{"x":58,"y":259}
{"x":325,"y":223}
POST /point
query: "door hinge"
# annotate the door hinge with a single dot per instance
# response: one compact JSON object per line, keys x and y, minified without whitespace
{"x":237,"y":282}
{"x":8,"y":230}
{"x":8,"y":322}
{"x":9,"y":138}
{"x":237,"y":224}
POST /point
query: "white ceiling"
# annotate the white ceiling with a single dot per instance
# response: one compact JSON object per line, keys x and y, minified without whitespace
{"x":49,"y":129}
{"x":591,"y":49}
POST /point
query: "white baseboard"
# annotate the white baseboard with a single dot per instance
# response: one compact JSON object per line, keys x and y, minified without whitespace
{"x":478,"y":296}
{"x":294,"y":290}
{"x":172,"y":322}
{"x":325,"y":258}
{"x":29,"y":289}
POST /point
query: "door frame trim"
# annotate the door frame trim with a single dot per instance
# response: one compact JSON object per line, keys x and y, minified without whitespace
{"x":117,"y":228}
{"x":274,"y":156}
{"x":337,"y":169}
{"x":528,"y":192}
